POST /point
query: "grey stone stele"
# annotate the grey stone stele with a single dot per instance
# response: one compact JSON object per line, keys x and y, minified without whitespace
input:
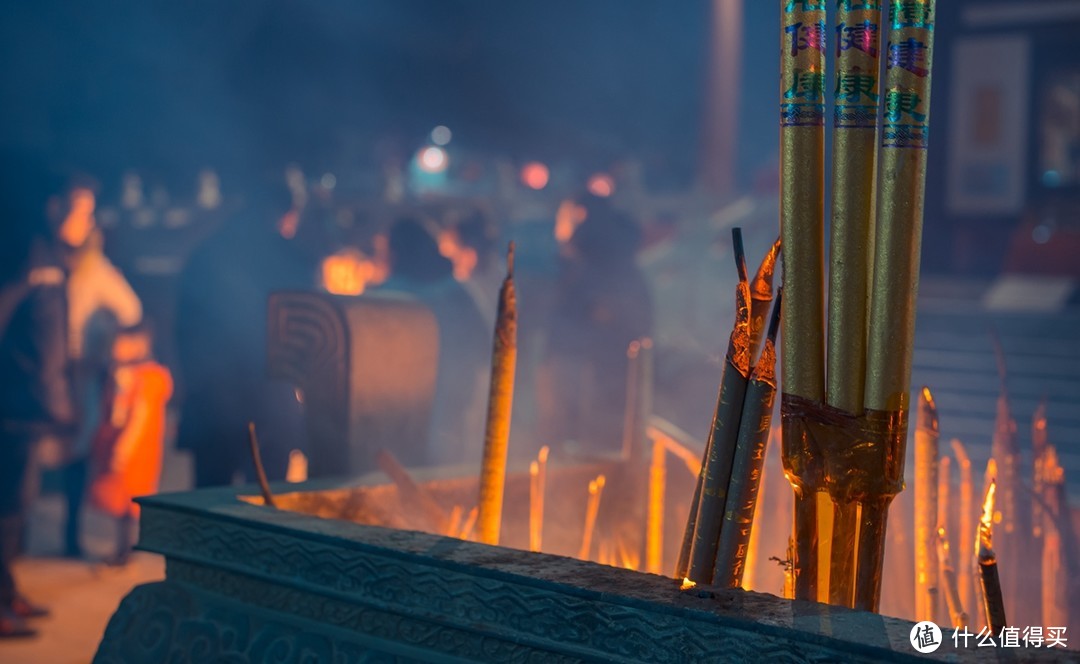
{"x":246,"y":583}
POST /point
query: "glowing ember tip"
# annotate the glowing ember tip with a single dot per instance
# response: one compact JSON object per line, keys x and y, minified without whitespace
{"x":687,"y":584}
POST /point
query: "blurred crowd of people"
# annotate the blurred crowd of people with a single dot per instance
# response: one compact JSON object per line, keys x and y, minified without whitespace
{"x":77,"y":354}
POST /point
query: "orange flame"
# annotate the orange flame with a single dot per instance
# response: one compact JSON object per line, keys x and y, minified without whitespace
{"x":687,"y":584}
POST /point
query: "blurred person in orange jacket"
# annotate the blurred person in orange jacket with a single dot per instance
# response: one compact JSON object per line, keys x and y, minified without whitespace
{"x":130,"y":442}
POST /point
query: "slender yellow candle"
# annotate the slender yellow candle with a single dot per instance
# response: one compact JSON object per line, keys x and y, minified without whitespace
{"x":654,"y":534}
{"x":966,"y":523}
{"x":534,"y":506}
{"x":596,"y":490}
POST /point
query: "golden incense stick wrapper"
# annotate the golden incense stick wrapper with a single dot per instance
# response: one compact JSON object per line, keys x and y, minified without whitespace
{"x":993,"y":604}
{"x":966,"y":523}
{"x":749,"y":461}
{"x":854,"y":184}
{"x":926,"y":509}
{"x":761,"y":297}
{"x":802,"y":232}
{"x":592,"y":508}
{"x":654,"y":528}
{"x":897,"y":249}
{"x":500,"y":402}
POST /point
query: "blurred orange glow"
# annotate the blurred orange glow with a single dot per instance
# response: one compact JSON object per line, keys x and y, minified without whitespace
{"x":535,"y":175}
{"x":601,"y":184}
{"x":347,"y":272}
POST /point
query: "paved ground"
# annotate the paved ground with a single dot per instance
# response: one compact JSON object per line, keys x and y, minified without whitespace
{"x":82,"y":594}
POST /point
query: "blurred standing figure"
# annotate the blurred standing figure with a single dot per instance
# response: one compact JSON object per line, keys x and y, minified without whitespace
{"x":40,"y":212}
{"x":99,"y":300}
{"x":418,"y":269}
{"x":221,"y":340}
{"x":602,"y":304}
{"x":129,"y":444}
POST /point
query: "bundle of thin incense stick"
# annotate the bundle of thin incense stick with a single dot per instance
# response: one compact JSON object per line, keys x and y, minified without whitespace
{"x":720,"y":520}
{"x":845,"y":390}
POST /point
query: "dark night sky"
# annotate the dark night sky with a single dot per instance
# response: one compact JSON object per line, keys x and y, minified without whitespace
{"x":171,"y":86}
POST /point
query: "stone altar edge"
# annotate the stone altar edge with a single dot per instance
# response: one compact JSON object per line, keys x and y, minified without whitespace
{"x":259,"y":574}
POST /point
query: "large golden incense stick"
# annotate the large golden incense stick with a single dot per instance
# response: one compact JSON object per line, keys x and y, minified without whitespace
{"x":897,"y":249}
{"x":716,"y":470}
{"x":417,"y":500}
{"x":802,"y":232}
{"x":854,"y":183}
{"x":993,"y":604}
{"x":957,"y":616}
{"x":260,"y":472}
{"x":748,"y":463}
{"x":592,"y":507}
{"x":654,"y":528}
{"x":966,"y":522}
{"x":761,"y":297}
{"x":500,"y":402}
{"x":926,"y":510}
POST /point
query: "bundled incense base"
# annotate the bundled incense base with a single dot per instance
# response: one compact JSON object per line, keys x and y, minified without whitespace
{"x":731,"y":470}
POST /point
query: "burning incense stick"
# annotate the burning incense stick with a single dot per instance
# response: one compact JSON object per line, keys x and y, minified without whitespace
{"x":993,"y":604}
{"x":535,"y":516}
{"x":761,"y":296}
{"x":943,"y":526}
{"x":802,"y":231}
{"x":966,"y":524}
{"x":541,"y":493}
{"x":926,"y":508}
{"x":1039,"y":442}
{"x":596,"y":489}
{"x":897,"y":248}
{"x":654,"y":528}
{"x":749,"y":460}
{"x":412,"y":494}
{"x":631,"y":416}
{"x":716,"y":471}
{"x":500,"y":402}
{"x":638,"y":397}
{"x":957,"y":616}
{"x":260,"y":472}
